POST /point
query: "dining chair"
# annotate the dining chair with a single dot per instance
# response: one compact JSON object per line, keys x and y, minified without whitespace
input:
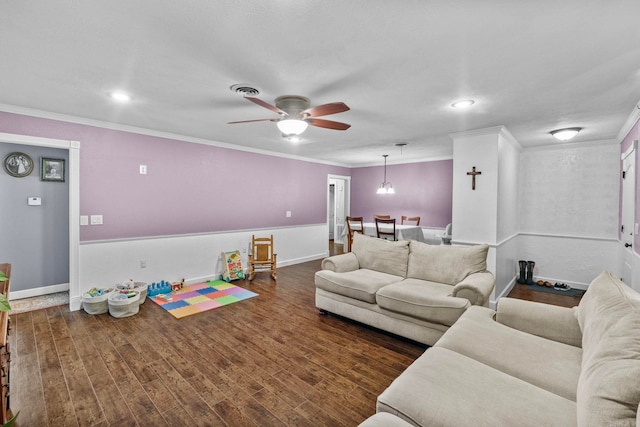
{"x":381,"y":217}
{"x":384,"y":232}
{"x":415,"y":219}
{"x":355,"y":224}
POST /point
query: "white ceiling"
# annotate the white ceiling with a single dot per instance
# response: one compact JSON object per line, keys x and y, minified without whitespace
{"x":531,"y":66}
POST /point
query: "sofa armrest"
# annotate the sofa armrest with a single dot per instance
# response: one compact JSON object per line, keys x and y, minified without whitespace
{"x":544,"y":320}
{"x":341,"y":263}
{"x":476,"y":288}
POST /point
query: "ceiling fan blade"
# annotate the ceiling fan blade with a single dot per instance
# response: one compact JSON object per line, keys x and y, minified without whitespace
{"x":256,"y":120}
{"x":266,"y":105}
{"x":326,"y":109}
{"x":328,"y":124}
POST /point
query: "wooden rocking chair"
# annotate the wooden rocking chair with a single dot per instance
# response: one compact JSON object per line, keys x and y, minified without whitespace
{"x":262,"y":258}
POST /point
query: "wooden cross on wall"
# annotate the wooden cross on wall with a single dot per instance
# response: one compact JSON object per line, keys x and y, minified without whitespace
{"x":473,"y":174}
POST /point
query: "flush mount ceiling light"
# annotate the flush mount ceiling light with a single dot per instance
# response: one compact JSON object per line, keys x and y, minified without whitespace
{"x":292,"y":126}
{"x":465,"y":103}
{"x":565,"y":134}
{"x":120,"y":96}
{"x":385,"y":187}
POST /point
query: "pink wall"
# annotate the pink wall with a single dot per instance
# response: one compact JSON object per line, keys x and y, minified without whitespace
{"x":422,"y":189}
{"x":189,"y":188}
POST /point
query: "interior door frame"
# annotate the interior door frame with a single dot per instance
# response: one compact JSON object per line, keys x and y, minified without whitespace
{"x":347,"y":199}
{"x":627,"y":248}
{"x":73,"y":169}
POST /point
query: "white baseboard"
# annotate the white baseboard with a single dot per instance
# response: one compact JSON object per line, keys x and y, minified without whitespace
{"x":36,"y":292}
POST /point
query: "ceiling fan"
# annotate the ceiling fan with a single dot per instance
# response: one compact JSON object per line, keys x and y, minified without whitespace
{"x":295,"y":114}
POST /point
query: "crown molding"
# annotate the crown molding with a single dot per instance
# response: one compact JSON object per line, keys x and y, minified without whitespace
{"x":629,"y":124}
{"x":150,"y":132}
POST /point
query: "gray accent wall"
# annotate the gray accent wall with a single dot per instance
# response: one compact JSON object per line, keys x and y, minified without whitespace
{"x":34,"y":239}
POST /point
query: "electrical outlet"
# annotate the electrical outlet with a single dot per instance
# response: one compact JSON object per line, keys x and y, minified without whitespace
{"x":288,"y":214}
{"x":143,"y":169}
{"x":143,"y":263}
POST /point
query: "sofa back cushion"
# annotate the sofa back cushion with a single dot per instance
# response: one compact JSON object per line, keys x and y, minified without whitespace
{"x":609,"y":384}
{"x":381,"y":255}
{"x":444,"y":263}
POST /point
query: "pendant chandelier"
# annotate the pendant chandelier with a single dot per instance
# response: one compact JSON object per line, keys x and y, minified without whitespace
{"x":385,"y":187}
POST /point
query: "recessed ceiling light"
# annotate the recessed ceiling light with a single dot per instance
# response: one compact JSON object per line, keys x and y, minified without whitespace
{"x":565,"y":134}
{"x":465,"y":103}
{"x":120,"y":96}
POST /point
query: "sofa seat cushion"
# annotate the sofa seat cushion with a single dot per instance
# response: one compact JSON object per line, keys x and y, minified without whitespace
{"x":609,"y":386}
{"x":444,"y":263}
{"x":444,"y":388}
{"x":423,"y":300}
{"x":359,"y":284}
{"x":381,"y":255}
{"x":551,"y":365}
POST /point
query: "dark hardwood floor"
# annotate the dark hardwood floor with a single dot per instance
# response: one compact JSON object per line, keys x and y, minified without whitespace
{"x":269,"y":360}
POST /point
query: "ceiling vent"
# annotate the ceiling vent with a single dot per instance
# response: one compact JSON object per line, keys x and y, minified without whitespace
{"x":245,"y":89}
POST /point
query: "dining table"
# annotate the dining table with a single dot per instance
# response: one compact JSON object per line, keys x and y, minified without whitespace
{"x":403,"y":232}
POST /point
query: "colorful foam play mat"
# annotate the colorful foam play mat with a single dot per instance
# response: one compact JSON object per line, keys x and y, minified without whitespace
{"x":201,"y":297}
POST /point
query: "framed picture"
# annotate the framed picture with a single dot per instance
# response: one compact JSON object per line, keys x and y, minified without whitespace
{"x":51,"y":169}
{"x":18,"y":164}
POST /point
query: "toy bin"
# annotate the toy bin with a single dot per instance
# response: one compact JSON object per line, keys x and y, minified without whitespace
{"x":124,"y":304}
{"x":96,"y":301}
{"x":136,"y":286}
{"x":142,"y":288}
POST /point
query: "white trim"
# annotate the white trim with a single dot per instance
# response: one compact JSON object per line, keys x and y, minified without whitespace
{"x":75,"y":299}
{"x":633,"y":118}
{"x":403,"y":162}
{"x":142,"y":131}
{"x":207,"y":233}
{"x":36,"y":292}
{"x":494,"y":303}
{"x":568,"y":236}
{"x":632,"y":147}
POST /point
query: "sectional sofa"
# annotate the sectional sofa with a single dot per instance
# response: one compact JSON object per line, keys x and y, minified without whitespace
{"x":527,"y":364}
{"x":409,"y":288}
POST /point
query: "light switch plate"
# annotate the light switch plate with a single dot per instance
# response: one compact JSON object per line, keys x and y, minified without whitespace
{"x":84,"y":219}
{"x":96,"y":219}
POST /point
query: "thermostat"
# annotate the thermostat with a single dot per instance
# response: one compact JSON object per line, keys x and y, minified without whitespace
{"x":34,"y":201}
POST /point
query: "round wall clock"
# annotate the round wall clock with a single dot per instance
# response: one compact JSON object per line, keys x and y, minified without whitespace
{"x":18,"y":164}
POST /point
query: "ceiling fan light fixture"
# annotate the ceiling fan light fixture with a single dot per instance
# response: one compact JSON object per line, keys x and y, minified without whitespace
{"x":565,"y":134}
{"x":292,"y":126}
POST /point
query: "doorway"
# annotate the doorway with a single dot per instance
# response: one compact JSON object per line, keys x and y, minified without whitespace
{"x":73,"y":176}
{"x":627,"y":225}
{"x":338,"y":208}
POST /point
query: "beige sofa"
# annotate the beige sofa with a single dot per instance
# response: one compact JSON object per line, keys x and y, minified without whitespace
{"x":408,"y":288}
{"x":528,"y":364}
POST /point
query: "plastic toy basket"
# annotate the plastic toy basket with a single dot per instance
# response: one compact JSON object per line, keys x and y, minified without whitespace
{"x":121,"y":305}
{"x":96,"y":304}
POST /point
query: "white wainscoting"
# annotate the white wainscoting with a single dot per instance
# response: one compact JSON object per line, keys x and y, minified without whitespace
{"x":192,"y":257}
{"x":574,"y":260}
